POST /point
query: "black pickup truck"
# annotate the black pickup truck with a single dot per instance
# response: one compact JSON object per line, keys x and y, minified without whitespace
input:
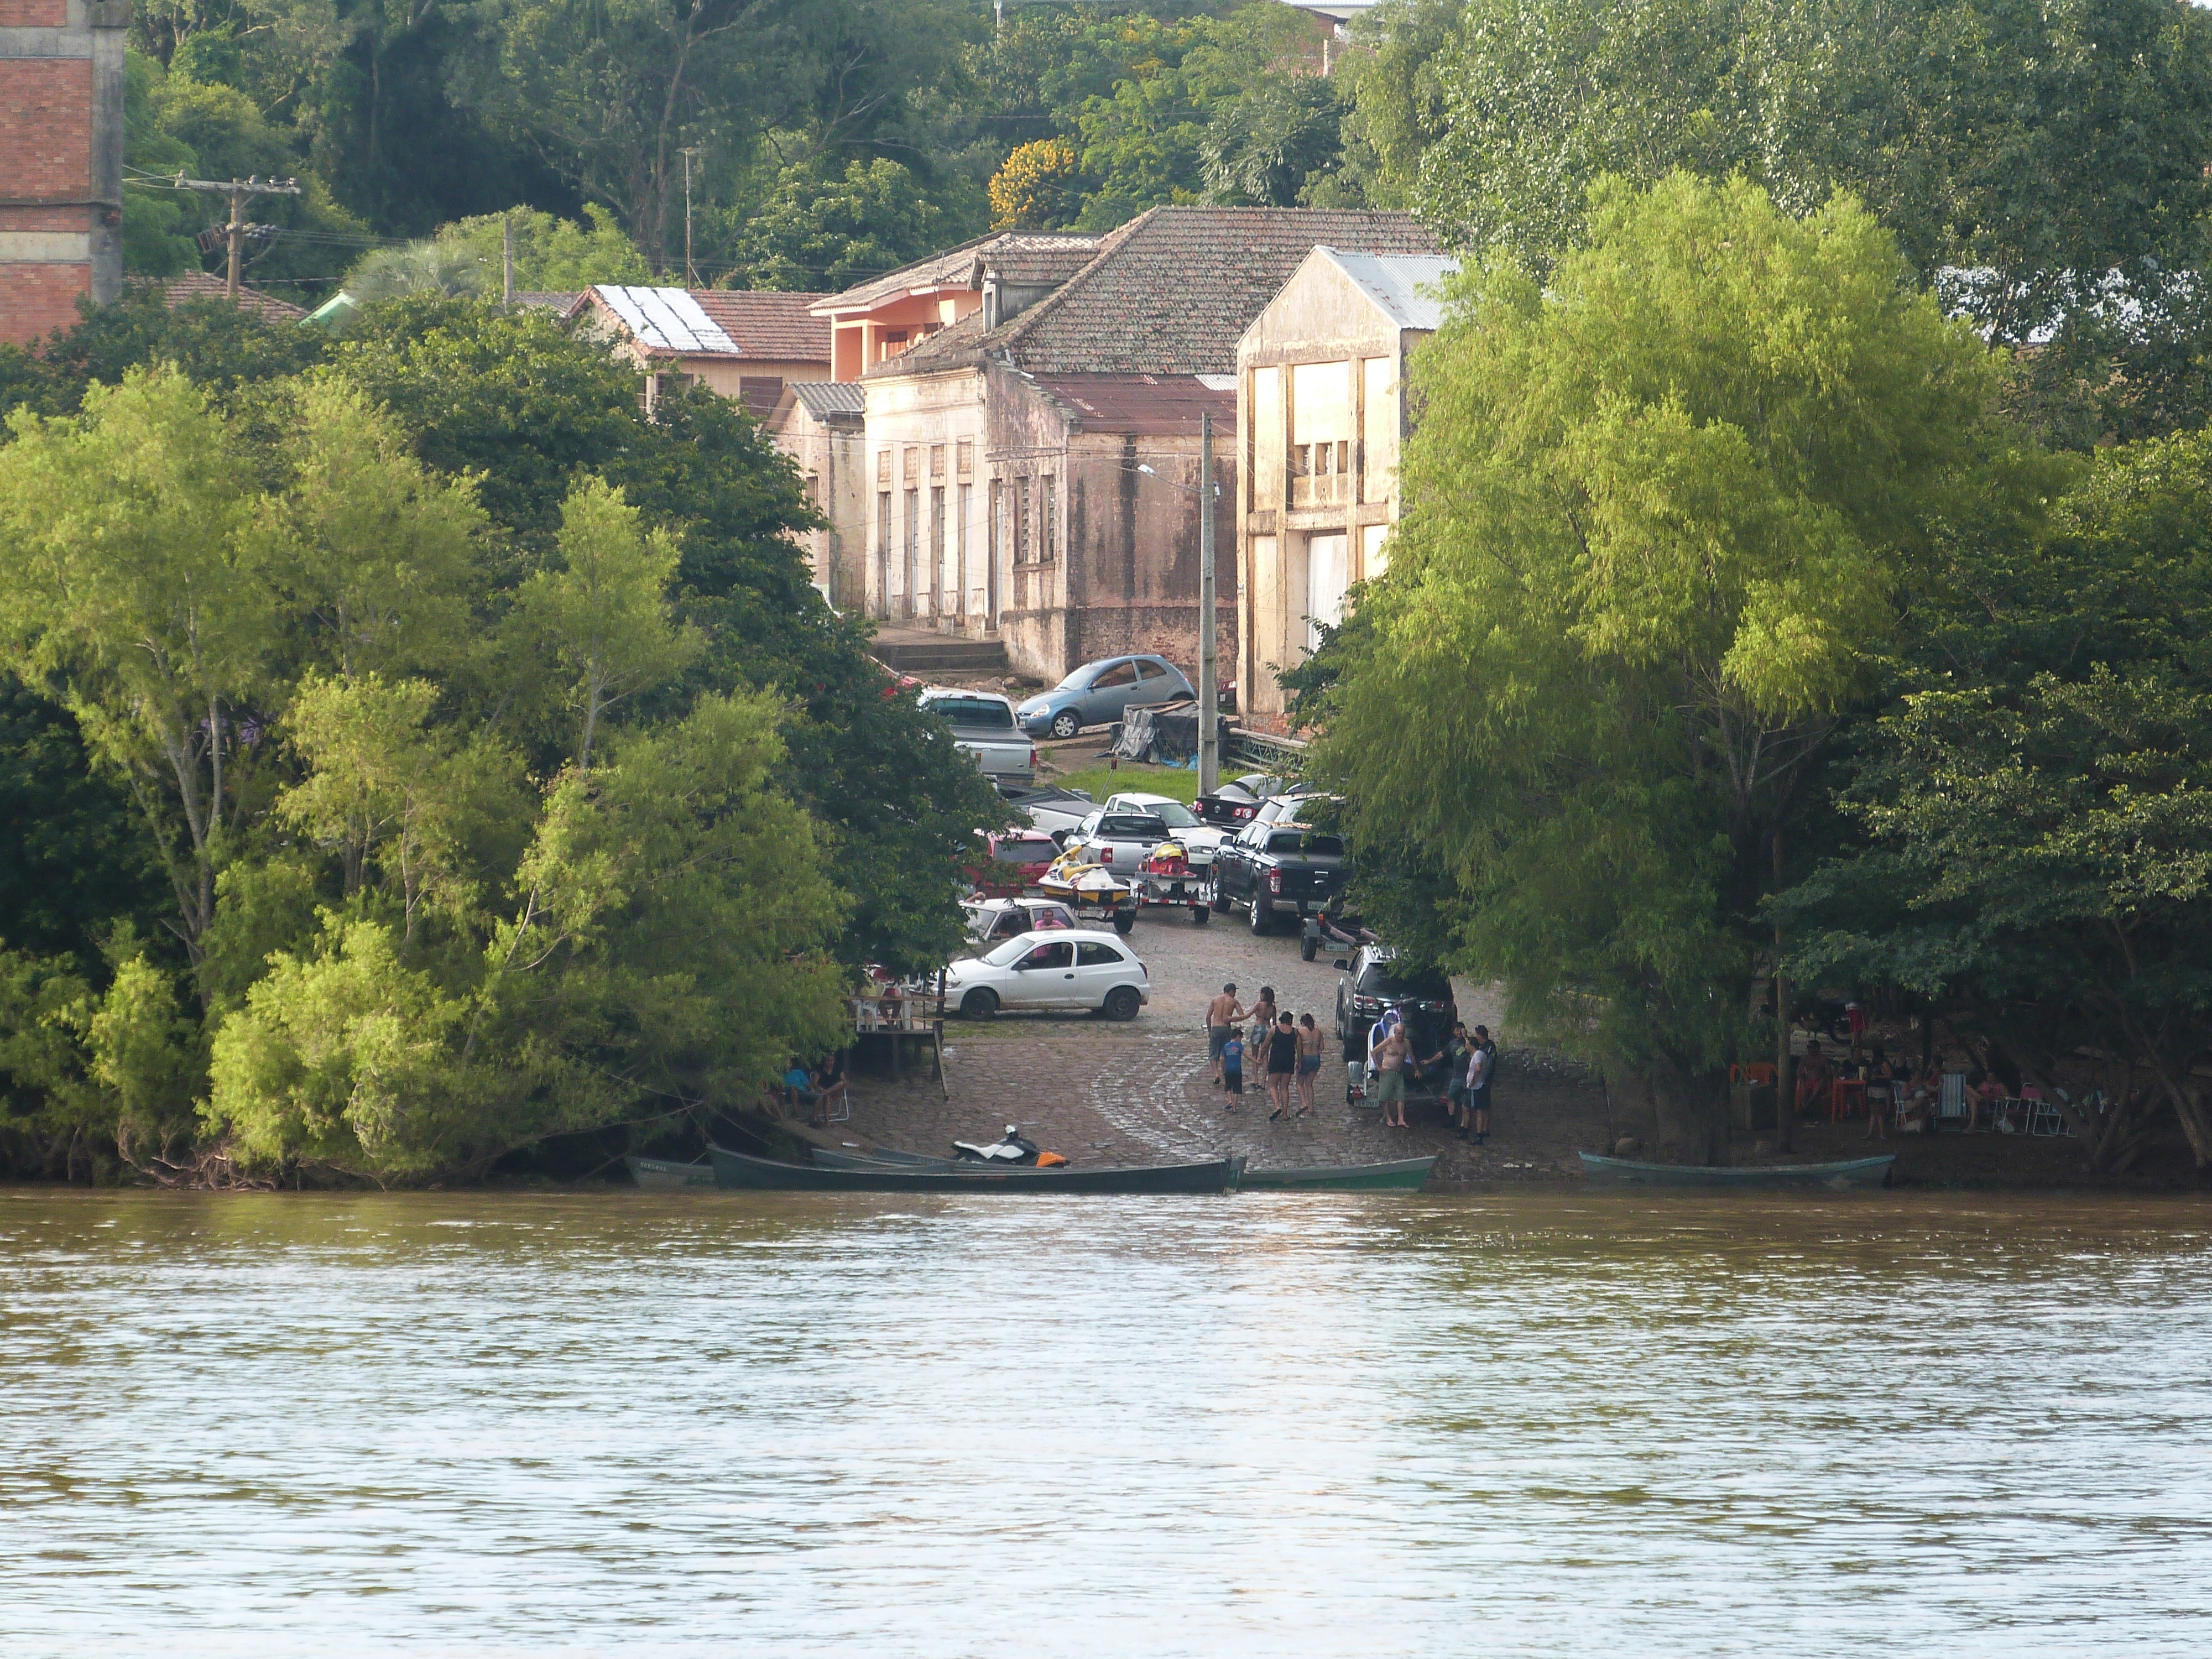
{"x":1274,"y":870}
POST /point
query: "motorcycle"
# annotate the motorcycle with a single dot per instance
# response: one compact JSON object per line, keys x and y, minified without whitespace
{"x":1014,"y":1152}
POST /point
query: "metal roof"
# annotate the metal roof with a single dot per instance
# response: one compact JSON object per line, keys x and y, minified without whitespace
{"x":667,"y":320}
{"x":827,"y":398}
{"x":1403,"y":284}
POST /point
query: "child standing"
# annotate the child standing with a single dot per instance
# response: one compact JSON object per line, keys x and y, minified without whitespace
{"x":1232,"y":1068}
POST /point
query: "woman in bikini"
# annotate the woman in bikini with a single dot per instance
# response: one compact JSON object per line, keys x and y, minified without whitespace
{"x":1309,"y":1061}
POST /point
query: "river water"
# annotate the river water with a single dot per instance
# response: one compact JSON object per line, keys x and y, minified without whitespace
{"x":1272,"y":1423}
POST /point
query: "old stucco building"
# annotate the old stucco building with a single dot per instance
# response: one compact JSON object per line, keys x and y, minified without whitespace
{"x":1032,"y":439}
{"x":1320,"y":415}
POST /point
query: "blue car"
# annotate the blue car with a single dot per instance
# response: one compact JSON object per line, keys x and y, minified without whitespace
{"x":1096,"y":693}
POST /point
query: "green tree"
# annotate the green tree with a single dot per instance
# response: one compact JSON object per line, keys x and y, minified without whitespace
{"x":380,"y":558}
{"x":446,"y":269}
{"x":604,"y":615}
{"x":2032,"y":803}
{"x":820,"y":234}
{"x":128,"y":577}
{"x":2040,"y":146}
{"x":1263,"y":148}
{"x":1657,"y":509}
{"x":551,"y":254}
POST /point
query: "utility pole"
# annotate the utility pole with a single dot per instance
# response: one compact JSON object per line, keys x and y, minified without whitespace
{"x":506,"y":260}
{"x":1209,"y":696}
{"x":238,"y":190}
{"x":690,"y":272}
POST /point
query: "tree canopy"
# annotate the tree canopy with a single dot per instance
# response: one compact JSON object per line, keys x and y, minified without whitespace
{"x":1659,"y":508}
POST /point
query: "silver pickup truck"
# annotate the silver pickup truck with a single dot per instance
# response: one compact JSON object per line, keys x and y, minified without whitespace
{"x":983,"y":725}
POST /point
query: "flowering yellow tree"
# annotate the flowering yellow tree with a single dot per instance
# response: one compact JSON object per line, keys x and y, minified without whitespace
{"x":1039,"y":188}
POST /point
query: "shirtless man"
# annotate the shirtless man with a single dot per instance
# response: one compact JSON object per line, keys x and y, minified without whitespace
{"x":1389,"y":1058}
{"x":1221,"y":1017}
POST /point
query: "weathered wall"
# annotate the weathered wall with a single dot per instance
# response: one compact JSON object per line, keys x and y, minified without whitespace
{"x":916,"y":426}
{"x":61,"y":160}
{"x":830,"y":457}
{"x":1119,"y":572}
{"x":1319,"y":317}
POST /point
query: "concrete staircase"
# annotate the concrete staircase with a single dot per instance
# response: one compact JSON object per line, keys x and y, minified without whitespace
{"x":924,"y":653}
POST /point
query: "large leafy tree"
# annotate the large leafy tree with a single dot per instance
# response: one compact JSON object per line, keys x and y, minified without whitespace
{"x":1658,"y":507}
{"x":2037,"y":829}
{"x":2047,"y":159}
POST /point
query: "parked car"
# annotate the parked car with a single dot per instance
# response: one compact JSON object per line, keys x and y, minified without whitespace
{"x":992,"y":919}
{"x":1096,"y":693}
{"x":984,"y":726}
{"x":1071,"y":968}
{"x":1199,"y":840}
{"x":1121,"y":841}
{"x":1008,"y":863}
{"x":1055,"y":811}
{"x":1372,"y":980}
{"x":1278,"y":869}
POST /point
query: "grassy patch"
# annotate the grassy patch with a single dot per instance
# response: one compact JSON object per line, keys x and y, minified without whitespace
{"x":1174,"y":782}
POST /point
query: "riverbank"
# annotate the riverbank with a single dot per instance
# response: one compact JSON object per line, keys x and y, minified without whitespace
{"x":1141,"y":1092}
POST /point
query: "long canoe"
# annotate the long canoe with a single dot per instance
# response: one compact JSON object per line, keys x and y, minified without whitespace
{"x":661,"y":1175}
{"x":1835,"y":1177}
{"x":739,"y":1169}
{"x":877,"y":1157}
{"x":1405,"y":1172}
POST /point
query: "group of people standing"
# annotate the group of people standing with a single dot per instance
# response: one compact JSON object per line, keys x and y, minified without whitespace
{"x":1289,"y":1049}
{"x":1466,"y":1059}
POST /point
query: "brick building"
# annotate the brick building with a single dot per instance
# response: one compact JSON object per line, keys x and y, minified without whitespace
{"x":61,"y":160}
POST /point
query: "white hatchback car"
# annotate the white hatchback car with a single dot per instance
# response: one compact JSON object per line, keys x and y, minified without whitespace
{"x":1061,"y":968}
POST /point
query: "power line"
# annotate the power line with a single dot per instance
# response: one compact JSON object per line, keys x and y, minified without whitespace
{"x":239,"y":190}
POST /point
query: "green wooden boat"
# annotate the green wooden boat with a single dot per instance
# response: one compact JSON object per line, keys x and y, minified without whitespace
{"x":1403,"y":1175}
{"x":877,"y":1157}
{"x":1844,"y":1176}
{"x":659,"y":1174}
{"x":739,"y":1169}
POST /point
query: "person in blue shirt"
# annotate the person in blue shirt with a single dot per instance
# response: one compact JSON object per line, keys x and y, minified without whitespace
{"x":1232,"y":1068}
{"x":799,"y":1085}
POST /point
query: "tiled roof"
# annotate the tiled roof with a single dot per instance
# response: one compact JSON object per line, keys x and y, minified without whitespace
{"x":1027,"y":261}
{"x":1041,"y":252}
{"x":1403,"y":284}
{"x":1162,"y":405}
{"x":1173,"y":291}
{"x":547,"y":299}
{"x":823,"y":398}
{"x":198,"y":285}
{"x":768,"y":324}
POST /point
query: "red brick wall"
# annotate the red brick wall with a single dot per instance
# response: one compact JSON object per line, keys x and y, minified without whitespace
{"x":33,"y":13}
{"x":35,"y":300}
{"x":46,"y":125}
{"x":45,"y":150}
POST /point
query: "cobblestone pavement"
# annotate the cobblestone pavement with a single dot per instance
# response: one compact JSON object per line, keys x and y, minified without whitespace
{"x":1141,"y":1092}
